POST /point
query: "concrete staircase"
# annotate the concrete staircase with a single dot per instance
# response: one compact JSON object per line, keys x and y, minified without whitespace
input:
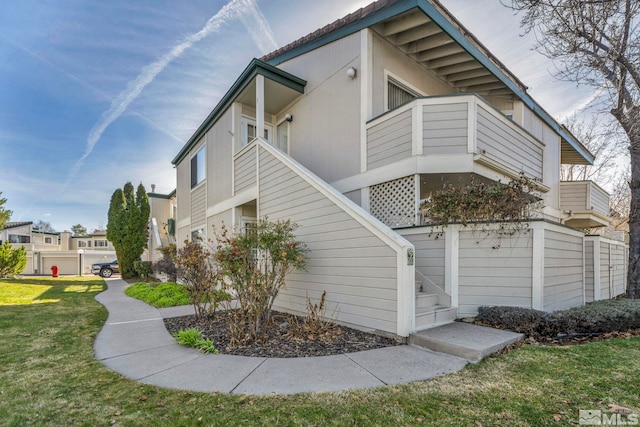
{"x":433,"y":305}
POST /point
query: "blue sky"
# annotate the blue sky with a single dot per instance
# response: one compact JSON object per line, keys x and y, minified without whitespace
{"x":97,"y":93}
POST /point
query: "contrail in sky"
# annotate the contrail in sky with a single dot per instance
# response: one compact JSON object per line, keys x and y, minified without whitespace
{"x":242,"y":9}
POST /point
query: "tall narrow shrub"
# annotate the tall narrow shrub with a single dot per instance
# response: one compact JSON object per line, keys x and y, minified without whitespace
{"x":127,"y":226}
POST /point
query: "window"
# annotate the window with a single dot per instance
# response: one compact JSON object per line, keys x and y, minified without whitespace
{"x":84,"y":243}
{"x":47,"y":240}
{"x":282,"y":136}
{"x":198,"y":167}
{"x":15,"y":238}
{"x":249,"y":131}
{"x":398,"y":93}
{"x":100,"y":243}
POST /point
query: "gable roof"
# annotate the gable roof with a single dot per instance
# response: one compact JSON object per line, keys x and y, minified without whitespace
{"x":409,"y":16}
{"x":255,"y":67}
{"x":16,"y":224}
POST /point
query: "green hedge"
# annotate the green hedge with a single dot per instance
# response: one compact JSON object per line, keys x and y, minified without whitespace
{"x":597,"y":317}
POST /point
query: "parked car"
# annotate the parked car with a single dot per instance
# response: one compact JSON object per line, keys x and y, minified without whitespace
{"x":105,"y":269}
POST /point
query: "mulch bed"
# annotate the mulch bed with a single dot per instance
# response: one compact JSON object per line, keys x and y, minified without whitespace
{"x":281,"y":341}
{"x":574,"y":339}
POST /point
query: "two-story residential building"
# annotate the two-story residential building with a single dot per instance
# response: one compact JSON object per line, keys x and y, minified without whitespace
{"x":70,"y":253}
{"x":347,"y":129}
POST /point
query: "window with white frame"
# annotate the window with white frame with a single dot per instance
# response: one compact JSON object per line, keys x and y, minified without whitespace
{"x":198,"y":167}
{"x":47,"y":240}
{"x":100,"y":243}
{"x":249,"y":128}
{"x":399,"y":93}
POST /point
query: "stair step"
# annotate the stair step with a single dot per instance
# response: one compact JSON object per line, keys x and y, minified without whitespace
{"x":424,"y":299}
{"x":434,"y":316}
{"x":471,"y":342}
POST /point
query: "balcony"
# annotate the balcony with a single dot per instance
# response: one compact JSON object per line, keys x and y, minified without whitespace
{"x":453,"y":134}
{"x":585,"y":203}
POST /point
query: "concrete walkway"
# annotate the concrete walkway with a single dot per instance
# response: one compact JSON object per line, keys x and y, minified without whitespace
{"x":135,"y":343}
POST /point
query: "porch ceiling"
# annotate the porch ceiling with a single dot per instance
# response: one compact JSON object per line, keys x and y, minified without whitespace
{"x":414,"y":33}
{"x":276,"y":95}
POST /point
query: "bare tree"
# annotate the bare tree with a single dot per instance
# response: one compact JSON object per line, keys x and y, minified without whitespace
{"x":604,"y":141}
{"x":44,"y":226}
{"x":597,"y":43}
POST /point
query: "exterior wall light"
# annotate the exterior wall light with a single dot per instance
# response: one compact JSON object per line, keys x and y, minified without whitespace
{"x":288,"y":117}
{"x":351,"y":72}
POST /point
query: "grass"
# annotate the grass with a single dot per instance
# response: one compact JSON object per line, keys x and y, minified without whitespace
{"x":49,"y":376}
{"x":159,"y":295}
{"x":193,"y":338}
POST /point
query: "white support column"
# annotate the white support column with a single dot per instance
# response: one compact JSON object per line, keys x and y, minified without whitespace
{"x":416,"y":183}
{"x":260,"y":106}
{"x":537,"y":269}
{"x":366,"y":108}
{"x":452,"y":262}
{"x":406,"y":302}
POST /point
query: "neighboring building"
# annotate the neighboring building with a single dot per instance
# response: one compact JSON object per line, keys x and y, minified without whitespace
{"x":72,"y":254}
{"x":162,"y":223}
{"x":96,"y":241}
{"x":346,"y":130}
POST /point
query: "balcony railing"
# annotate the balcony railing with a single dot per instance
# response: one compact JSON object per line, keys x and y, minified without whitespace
{"x":463,"y":128}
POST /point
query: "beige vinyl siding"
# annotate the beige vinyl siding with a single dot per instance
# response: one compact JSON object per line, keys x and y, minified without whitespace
{"x":563,"y":270}
{"x":182,"y":234}
{"x":509,"y":146}
{"x":490,"y":276}
{"x":356,"y":269}
{"x":444,"y":128}
{"x":606,"y":291}
{"x":388,"y":58}
{"x":589,"y":281}
{"x":618,"y":263}
{"x":216,"y":222}
{"x":183,"y":197}
{"x":390,"y":140}
{"x":612,"y":269}
{"x":429,"y":254}
{"x":599,"y":200}
{"x":199,"y":205}
{"x":245,"y":170}
{"x":573,"y":195}
{"x":219,"y":160}
{"x":327,"y":118}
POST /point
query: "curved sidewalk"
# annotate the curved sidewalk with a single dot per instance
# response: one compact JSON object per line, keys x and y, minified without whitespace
{"x":135,"y":343}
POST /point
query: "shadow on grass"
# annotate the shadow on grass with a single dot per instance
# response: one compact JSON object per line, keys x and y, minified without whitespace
{"x":44,"y":290}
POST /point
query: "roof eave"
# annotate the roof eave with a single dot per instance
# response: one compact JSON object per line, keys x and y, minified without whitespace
{"x":471,"y":46}
{"x":254,"y":68}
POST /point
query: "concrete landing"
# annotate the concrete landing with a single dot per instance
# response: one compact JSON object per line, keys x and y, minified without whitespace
{"x":471,"y":342}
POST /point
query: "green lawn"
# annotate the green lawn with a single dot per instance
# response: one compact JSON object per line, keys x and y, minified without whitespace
{"x":48,"y":376}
